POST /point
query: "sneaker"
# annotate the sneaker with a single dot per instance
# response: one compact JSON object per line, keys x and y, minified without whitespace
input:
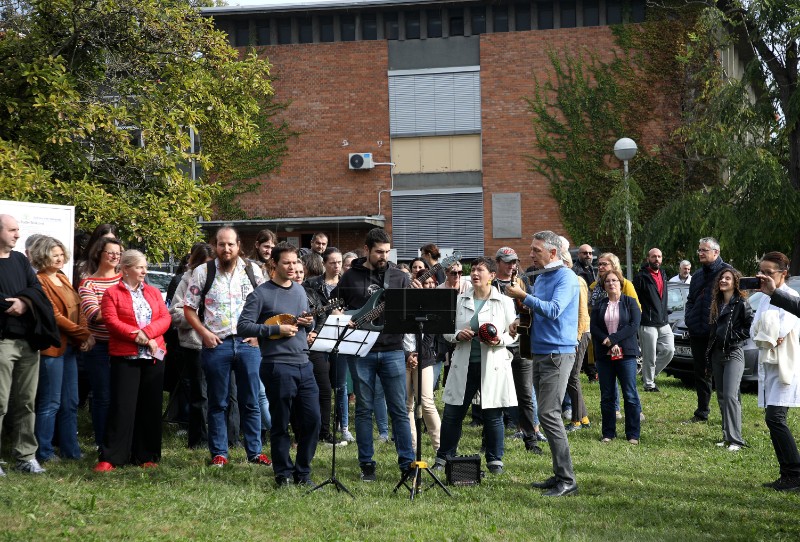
{"x":787,"y":484}
{"x":282,"y":481}
{"x":641,"y":416}
{"x":261,"y":459}
{"x":534,"y":449}
{"x":734,"y":448}
{"x":567,"y":414}
{"x":771,"y":485}
{"x":723,"y":444}
{"x":540,"y":436}
{"x":571,"y":428}
{"x":518,"y":435}
{"x":368,"y":472}
{"x":328,"y":441}
{"x":495,"y":469}
{"x":633,"y":441}
{"x":30,"y":467}
{"x":219,"y":461}
{"x":438,"y":466}
{"x":618,"y":414}
{"x":654,"y":389}
{"x":149,"y":465}
{"x":304,"y":482}
{"x":383,"y":439}
{"x":103,"y":466}
{"x":347,"y":435}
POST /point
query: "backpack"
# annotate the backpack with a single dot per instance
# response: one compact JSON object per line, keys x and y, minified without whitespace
{"x":211,"y":273}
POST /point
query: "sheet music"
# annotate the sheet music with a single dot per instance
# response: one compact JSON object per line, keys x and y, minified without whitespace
{"x":356,"y":342}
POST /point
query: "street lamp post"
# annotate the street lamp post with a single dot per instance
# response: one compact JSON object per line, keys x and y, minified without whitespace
{"x":625,"y":149}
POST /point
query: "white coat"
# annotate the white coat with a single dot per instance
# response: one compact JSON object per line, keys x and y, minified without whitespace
{"x":497,"y":381}
{"x":772,"y":321}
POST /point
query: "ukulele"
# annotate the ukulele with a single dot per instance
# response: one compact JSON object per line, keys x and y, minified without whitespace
{"x":290,"y":319}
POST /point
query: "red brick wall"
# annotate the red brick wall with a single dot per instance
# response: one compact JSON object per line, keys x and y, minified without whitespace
{"x":338,"y":91}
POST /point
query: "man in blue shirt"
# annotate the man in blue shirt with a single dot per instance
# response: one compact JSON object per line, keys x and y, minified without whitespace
{"x":553,"y":299}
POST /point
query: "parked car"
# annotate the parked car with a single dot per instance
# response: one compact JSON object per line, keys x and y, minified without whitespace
{"x":677,"y":292}
{"x":682,"y":366}
{"x":159,"y":279}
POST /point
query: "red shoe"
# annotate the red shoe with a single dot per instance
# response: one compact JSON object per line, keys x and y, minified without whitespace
{"x":261,"y":459}
{"x":103,"y":466}
{"x":219,"y":461}
{"x":149,"y":465}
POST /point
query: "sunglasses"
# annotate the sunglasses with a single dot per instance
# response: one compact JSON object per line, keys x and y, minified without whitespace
{"x":454,"y":273}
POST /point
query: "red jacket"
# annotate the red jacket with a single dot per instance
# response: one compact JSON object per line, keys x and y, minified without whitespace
{"x":118,"y":316}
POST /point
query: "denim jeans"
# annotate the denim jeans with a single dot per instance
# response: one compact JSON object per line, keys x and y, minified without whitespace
{"x":57,"y":402}
{"x":390,"y":367}
{"x":99,"y":367}
{"x":246,"y":362}
{"x":453,"y":418}
{"x":263,"y":406}
{"x":608,"y":372}
{"x":381,"y":414}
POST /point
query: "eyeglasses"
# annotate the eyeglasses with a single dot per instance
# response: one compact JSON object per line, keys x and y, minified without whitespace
{"x":113,"y":254}
{"x":455,"y":273}
{"x":772,"y":272}
{"x":587,"y":252}
{"x":603,"y":264}
{"x":704,"y":250}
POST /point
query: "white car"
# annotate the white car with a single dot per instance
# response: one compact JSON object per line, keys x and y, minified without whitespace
{"x":160,"y":280}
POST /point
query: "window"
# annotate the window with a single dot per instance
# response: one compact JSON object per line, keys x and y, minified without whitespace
{"x":284,"y":31}
{"x":369,"y":26}
{"x":305,"y":32}
{"x":545,"y":16}
{"x":262,"y":31}
{"x":637,"y":11}
{"x":613,"y":11}
{"x":326,"y":28}
{"x":347,"y":29}
{"x":456,"y":18}
{"x":568,"y":14}
{"x":434,"y":23}
{"x":591,"y":13}
{"x":412,"y":25}
{"x":500,"y":18}
{"x":390,"y":26}
{"x":522,"y":16}
{"x":242,"y":33}
{"x":478,"y":20}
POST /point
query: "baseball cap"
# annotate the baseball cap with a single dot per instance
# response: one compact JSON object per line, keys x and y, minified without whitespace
{"x":507,"y":254}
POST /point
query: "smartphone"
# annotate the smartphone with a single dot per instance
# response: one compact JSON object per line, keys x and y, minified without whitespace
{"x":749,"y":283}
{"x":159,"y":355}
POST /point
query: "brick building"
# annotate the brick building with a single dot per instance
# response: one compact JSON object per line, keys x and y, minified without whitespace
{"x":433,"y":92}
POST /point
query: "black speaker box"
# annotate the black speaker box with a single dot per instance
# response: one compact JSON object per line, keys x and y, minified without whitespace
{"x":463,"y":470}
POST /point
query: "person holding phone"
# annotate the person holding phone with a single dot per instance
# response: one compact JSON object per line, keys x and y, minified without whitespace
{"x":136,"y":318}
{"x":614,"y":323}
{"x":731,"y":317}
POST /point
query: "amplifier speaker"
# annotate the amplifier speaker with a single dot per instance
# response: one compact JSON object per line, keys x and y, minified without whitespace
{"x":463,"y":470}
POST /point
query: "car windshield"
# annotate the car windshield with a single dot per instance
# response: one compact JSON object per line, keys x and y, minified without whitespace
{"x":676,"y":298}
{"x":159,"y":280}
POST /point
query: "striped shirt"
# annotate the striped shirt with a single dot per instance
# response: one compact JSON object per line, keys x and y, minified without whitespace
{"x":91,"y":291}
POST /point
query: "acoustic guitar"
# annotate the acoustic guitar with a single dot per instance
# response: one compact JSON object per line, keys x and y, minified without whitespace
{"x":364,"y":318}
{"x":290,"y":319}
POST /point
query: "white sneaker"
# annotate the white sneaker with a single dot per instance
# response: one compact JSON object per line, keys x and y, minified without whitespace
{"x":734,"y":448}
{"x":723,"y":443}
{"x":31,"y":467}
{"x":567,"y":414}
{"x":347,"y":435}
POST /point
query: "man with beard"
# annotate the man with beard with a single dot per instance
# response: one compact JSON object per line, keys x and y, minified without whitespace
{"x":285,"y":368}
{"x":221,"y":300}
{"x":386,"y":360}
{"x":655,"y":334}
{"x":583,"y":265}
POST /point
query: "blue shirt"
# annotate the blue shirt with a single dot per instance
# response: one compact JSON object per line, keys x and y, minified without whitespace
{"x":554,"y":299}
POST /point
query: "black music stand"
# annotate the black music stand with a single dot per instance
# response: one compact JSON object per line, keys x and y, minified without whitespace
{"x":420,"y":311}
{"x":336,"y":332}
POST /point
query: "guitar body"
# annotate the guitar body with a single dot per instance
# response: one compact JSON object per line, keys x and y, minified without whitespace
{"x":371,"y":311}
{"x":290,"y":319}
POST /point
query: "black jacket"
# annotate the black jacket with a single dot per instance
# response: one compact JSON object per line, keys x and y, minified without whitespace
{"x":786,"y":302}
{"x":586,"y":272}
{"x":655,"y":311}
{"x":698,"y":302}
{"x":38,"y":324}
{"x":732,"y":328}
{"x":356,"y":287}
{"x":626,"y":335}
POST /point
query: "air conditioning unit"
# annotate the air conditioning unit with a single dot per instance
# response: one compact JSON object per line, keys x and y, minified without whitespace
{"x":361,"y":160}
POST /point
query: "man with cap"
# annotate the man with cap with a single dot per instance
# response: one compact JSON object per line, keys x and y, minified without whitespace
{"x":522,"y":367}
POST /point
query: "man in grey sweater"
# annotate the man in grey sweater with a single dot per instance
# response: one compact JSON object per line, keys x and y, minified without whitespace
{"x":285,"y":367}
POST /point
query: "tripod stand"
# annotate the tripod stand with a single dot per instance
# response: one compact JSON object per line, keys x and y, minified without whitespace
{"x":335,"y":333}
{"x":409,"y":311}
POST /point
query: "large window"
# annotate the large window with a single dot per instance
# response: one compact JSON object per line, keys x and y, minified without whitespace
{"x":544,"y":15}
{"x":522,"y":16}
{"x":456,"y":19}
{"x":242,"y":33}
{"x":262,"y":31}
{"x":434,"y":23}
{"x":500,"y":19}
{"x":478,"y":14}
{"x":369,"y":26}
{"x":390,"y":26}
{"x":613,"y":11}
{"x":305,"y":30}
{"x":569,"y":17}
{"x":591,"y":12}
{"x":284,"y":31}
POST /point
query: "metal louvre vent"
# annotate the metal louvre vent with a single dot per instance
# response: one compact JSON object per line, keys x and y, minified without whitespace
{"x":451,"y":220}
{"x":435,"y":104}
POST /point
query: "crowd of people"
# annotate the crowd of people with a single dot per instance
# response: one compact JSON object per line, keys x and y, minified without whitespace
{"x":244,"y":326}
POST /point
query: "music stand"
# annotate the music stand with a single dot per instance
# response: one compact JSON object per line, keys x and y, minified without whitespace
{"x":420,"y":311}
{"x":336,"y":333}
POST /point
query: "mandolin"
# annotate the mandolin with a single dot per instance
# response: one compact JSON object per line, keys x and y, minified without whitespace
{"x":364,"y":317}
{"x":290,"y":319}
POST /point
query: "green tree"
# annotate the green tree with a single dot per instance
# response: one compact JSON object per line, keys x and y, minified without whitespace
{"x":99,"y":98}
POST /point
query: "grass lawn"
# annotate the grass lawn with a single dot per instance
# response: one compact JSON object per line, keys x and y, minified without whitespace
{"x":676,"y":485}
